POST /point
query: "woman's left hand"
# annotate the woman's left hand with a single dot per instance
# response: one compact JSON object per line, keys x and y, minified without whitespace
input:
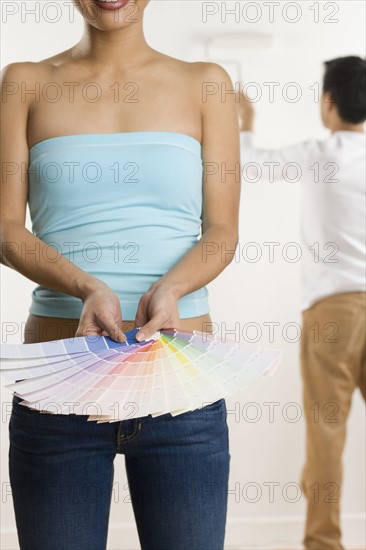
{"x":157,"y":309}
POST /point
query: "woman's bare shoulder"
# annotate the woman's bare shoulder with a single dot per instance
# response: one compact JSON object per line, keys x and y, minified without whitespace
{"x":28,"y":71}
{"x":197,"y":70}
{"x":193,"y":76}
{"x":208,"y":69}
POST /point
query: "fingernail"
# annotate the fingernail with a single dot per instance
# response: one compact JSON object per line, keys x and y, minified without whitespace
{"x":140,"y":336}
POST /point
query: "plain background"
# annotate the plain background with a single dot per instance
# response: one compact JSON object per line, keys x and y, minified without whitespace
{"x":266,"y":452}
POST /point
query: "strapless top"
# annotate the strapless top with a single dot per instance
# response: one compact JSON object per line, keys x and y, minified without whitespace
{"x":125,"y":207}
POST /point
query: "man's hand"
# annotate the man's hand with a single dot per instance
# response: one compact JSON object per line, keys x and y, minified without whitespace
{"x":157,"y":309}
{"x":246,"y":112}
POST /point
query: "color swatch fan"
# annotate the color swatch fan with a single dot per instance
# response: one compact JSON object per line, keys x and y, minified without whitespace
{"x":172,"y":372}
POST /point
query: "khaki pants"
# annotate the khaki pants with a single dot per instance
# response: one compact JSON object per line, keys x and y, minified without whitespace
{"x":332,"y":366}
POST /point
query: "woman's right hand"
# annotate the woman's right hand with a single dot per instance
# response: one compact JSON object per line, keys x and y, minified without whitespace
{"x":101,"y":315}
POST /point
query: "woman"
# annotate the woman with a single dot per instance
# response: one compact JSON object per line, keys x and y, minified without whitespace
{"x":114,"y":147}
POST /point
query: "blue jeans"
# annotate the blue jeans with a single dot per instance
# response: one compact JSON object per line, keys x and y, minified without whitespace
{"x":61,"y":474}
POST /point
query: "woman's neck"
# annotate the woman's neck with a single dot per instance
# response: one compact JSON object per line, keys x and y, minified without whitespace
{"x":119,"y":51}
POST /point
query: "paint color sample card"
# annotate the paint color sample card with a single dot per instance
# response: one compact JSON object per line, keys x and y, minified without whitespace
{"x":172,"y":372}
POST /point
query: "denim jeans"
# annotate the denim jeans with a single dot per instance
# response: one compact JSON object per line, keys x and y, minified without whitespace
{"x":61,"y":474}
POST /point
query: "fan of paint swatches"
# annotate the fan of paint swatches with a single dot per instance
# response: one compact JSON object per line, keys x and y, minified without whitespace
{"x":172,"y":372}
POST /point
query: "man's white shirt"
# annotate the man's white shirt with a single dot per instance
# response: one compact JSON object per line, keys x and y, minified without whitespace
{"x":332,"y":178}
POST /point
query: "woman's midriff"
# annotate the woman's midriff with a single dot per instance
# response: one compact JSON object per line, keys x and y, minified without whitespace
{"x":43,"y":329}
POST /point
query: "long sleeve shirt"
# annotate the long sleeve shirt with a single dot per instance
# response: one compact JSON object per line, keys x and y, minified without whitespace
{"x":332,"y":225}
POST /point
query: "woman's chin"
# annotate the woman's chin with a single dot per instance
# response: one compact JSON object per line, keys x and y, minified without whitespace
{"x":111,"y":14}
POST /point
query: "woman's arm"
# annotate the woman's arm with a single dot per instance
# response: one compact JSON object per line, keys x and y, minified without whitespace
{"x":20,"y":249}
{"x":220,"y":214}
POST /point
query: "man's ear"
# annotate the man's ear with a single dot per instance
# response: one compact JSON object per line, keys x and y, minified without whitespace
{"x":328,"y":100}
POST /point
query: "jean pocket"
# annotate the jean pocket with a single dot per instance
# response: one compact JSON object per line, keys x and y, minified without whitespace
{"x":214,"y":411}
{"x":17,"y":407}
{"x":215,"y":405}
{"x":210,"y":411}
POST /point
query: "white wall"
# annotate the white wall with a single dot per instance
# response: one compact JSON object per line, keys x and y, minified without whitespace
{"x":262,"y":451}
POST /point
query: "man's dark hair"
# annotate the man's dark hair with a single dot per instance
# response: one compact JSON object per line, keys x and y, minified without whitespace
{"x":345,"y":80}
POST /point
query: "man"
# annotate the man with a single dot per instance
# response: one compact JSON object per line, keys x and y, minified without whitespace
{"x":332,"y":179}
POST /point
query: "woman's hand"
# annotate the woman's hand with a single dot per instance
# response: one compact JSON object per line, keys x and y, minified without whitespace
{"x":101,"y":315}
{"x":157,"y":309}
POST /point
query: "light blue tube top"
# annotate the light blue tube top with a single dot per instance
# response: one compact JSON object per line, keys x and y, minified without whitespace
{"x":125,"y":207}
